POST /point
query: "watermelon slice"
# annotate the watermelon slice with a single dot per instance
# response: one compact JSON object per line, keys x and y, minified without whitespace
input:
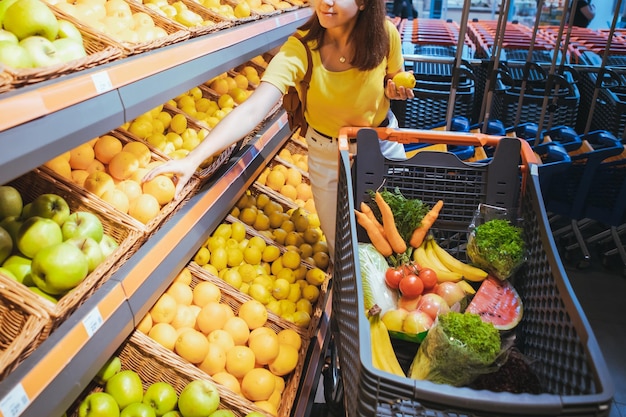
{"x":498,"y":303}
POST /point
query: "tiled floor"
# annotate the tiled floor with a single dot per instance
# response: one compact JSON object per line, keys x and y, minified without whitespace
{"x":601,"y":292}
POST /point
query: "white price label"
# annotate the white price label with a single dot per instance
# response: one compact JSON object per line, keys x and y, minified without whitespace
{"x":93,"y":321}
{"x":15,"y":402}
{"x":102,"y":82}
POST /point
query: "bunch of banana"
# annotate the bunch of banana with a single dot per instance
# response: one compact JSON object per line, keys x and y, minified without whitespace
{"x":383,"y":356}
{"x":451,"y":269}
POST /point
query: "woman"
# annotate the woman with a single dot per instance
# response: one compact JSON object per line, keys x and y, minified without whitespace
{"x":355,"y":52}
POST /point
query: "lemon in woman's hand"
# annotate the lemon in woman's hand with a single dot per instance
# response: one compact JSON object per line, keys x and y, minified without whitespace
{"x":405,"y":79}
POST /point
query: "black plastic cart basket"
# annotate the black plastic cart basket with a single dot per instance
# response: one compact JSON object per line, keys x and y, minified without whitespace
{"x":554,"y":331}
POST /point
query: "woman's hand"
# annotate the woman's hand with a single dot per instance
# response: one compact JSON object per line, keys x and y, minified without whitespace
{"x":394,"y":92}
{"x":182,"y":169}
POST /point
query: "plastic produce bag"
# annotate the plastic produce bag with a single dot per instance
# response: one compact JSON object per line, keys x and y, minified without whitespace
{"x":494,"y":243}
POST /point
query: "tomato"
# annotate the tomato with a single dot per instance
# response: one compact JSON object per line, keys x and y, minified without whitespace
{"x":393,"y":277}
{"x":428,"y":277}
{"x":411,"y":286}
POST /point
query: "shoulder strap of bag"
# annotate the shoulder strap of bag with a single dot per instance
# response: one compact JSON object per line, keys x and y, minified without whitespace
{"x":307,"y":76}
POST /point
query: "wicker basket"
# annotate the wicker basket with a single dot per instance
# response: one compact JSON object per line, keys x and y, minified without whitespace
{"x":205,"y":171}
{"x":167,"y":210}
{"x":153,"y":363}
{"x":305,"y":332}
{"x":219,"y":21}
{"x":37,"y":182}
{"x":100,"y":50}
{"x":235,"y":299}
{"x":6,"y":81}
{"x":22,"y":324}
{"x":175,"y":31}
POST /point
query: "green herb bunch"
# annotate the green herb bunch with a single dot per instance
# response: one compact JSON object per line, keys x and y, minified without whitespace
{"x":407,"y":213}
{"x":498,"y":247}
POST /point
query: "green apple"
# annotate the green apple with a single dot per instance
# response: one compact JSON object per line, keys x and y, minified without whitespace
{"x":111,"y":367}
{"x":199,"y":398}
{"x":6,"y":245}
{"x":6,"y":36}
{"x":19,"y":266}
{"x":37,"y":233}
{"x":11,"y":203}
{"x":161,"y":396}
{"x":14,"y":55}
{"x":137,"y":410}
{"x":108,"y":245}
{"x":125,"y":386}
{"x":42,"y":51}
{"x":58,"y":268}
{"x":4,"y":5}
{"x":98,"y":404}
{"x":50,"y":206}
{"x":222,"y":413}
{"x":43,"y":294}
{"x":11,"y":224}
{"x":26,"y":211}
{"x":68,"y":29}
{"x":7,"y":273}
{"x":174,"y":413}
{"x":31,"y":18}
{"x":91,"y":249}
{"x":83,"y":224}
{"x":69,"y":49}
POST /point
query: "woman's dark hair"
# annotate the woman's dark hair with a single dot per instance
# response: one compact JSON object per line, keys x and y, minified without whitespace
{"x":369,"y":37}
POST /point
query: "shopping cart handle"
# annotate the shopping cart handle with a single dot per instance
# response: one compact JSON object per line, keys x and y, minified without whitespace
{"x":408,"y":136}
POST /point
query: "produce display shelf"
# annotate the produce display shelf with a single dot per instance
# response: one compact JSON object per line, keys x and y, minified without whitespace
{"x":109,"y":95}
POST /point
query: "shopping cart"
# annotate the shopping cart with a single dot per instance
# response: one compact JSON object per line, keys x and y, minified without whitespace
{"x":568,"y":194}
{"x":553,"y":333}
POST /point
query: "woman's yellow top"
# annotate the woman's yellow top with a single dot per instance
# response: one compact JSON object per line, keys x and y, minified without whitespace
{"x":336,"y":98}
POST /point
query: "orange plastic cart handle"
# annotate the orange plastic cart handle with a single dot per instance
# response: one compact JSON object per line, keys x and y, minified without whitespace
{"x":432,"y":137}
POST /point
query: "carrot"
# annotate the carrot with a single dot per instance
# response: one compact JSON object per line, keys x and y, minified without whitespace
{"x":365,"y":209}
{"x":378,"y":239}
{"x":420,"y":232}
{"x":389,"y":225}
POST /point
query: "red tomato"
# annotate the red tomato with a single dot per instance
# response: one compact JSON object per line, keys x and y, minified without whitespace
{"x":393,"y":277}
{"x":411,"y":286}
{"x":428,"y":277}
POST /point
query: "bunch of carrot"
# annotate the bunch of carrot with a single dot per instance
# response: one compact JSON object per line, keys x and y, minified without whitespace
{"x":385,"y":237}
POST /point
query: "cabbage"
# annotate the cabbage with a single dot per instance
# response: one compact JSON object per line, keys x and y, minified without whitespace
{"x":375,"y":291}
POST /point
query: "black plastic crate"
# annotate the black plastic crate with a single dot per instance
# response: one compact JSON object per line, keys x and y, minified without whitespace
{"x":553,"y":333}
{"x":561,"y":101}
{"x":610,"y":107}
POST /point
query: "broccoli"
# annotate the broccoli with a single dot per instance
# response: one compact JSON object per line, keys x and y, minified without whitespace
{"x":497,"y":246}
{"x":458,"y":348}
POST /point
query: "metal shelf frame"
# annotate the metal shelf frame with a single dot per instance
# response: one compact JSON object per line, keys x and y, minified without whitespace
{"x":52,"y":377}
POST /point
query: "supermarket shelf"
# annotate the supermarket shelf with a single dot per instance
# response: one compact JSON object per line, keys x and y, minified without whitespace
{"x":106,"y":96}
{"x":48,"y":381}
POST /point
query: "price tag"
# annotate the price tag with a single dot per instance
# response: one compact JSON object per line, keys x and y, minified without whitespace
{"x":93,"y":321}
{"x":15,"y":402}
{"x":102,"y":82}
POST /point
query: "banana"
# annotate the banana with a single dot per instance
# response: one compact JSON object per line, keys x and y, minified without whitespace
{"x":383,"y":356}
{"x":423,"y":260}
{"x":469,"y":272}
{"x":466,"y":287}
